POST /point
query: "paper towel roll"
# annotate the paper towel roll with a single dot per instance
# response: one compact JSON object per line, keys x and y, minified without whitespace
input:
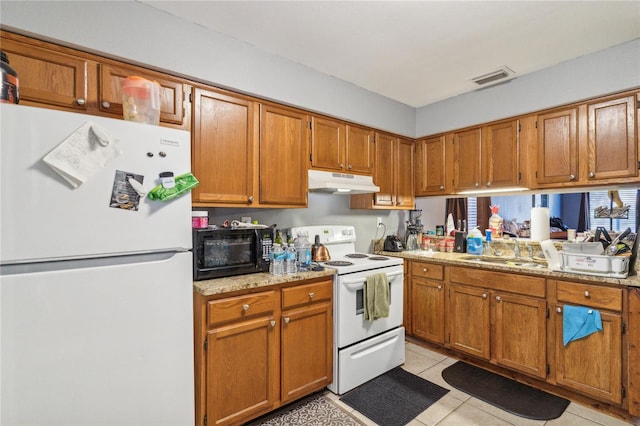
{"x":539,"y":224}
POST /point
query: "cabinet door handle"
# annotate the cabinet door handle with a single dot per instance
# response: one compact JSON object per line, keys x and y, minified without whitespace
{"x":439,"y":287}
{"x":592,"y":175}
{"x":586,"y":294}
{"x":341,"y":165}
{"x":251,"y":199}
{"x":245,"y":307}
{"x":311,"y":294}
{"x":477,"y":184}
{"x":441,"y":187}
{"x":572,"y":177}
{"x":489,"y":183}
{"x":287,"y":319}
{"x":106,"y":104}
{"x":349,"y":167}
{"x":80,"y":101}
{"x":558,"y":310}
{"x":484,"y":295}
{"x":273,"y":323}
{"x":425,"y":269}
{"x":498,"y":298}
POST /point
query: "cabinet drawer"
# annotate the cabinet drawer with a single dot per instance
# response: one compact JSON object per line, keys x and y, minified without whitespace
{"x":306,"y":293}
{"x":427,"y":270}
{"x":235,"y":308}
{"x":590,"y":295}
{"x":514,"y":283}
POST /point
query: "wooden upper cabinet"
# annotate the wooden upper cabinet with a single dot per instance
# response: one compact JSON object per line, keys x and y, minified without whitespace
{"x":110,"y":93}
{"x":611,"y":139}
{"x":359,"y":155}
{"x":393,"y":173}
{"x":328,"y":144}
{"x":384,"y":170}
{"x":430,"y":166}
{"x":224,"y":138}
{"x":558,"y":147}
{"x":405,"y":189}
{"x":284,"y":153}
{"x":500,"y":155}
{"x":467,"y":159}
{"x":49,"y":78}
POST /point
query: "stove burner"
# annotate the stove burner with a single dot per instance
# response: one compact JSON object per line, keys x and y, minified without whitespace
{"x":338,"y":263}
{"x":356,"y":255}
{"x":378,"y":258}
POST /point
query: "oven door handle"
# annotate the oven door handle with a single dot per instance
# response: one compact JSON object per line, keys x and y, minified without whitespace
{"x":347,"y":281}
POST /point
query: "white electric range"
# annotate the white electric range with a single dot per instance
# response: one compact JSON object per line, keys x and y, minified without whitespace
{"x":363,"y":349}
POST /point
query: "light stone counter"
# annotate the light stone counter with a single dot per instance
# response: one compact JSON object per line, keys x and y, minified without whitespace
{"x":458,"y":259}
{"x":244,"y":282}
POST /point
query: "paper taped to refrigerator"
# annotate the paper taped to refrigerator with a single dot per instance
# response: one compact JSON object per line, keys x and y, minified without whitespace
{"x":83,"y":154}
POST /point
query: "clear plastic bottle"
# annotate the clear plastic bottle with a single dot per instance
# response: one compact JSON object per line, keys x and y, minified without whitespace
{"x":277,"y":262}
{"x":290,"y":266}
{"x":303,"y":248}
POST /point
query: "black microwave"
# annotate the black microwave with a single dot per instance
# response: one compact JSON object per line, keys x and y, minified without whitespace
{"x":226,"y":252}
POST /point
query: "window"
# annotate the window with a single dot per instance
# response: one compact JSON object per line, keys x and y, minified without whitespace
{"x":601,"y":199}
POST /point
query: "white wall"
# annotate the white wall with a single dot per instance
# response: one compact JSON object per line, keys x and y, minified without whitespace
{"x":136,"y":32}
{"x":324,"y":209}
{"x":607,"y":71}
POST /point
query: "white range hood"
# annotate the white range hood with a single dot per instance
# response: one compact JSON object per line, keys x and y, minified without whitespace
{"x":340,"y":183}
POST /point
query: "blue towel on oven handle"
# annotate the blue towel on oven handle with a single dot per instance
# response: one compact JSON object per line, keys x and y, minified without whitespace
{"x":579,"y":322}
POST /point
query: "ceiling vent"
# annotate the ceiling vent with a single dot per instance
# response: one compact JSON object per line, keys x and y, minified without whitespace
{"x":502,"y":74}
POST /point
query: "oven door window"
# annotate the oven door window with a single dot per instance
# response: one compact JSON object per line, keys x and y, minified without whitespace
{"x":360,"y":299}
{"x":229,"y":250}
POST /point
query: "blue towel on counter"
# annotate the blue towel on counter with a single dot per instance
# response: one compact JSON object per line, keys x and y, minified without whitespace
{"x":579,"y":322}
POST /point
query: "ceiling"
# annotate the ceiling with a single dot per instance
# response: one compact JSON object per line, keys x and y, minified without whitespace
{"x":418,"y":52}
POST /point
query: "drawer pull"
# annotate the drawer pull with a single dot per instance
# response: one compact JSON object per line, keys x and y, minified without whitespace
{"x":287,"y":319}
{"x":311,"y":294}
{"x":559,"y":310}
{"x":273,"y":323}
{"x":106,"y":104}
{"x":425,"y":270}
{"x":245,"y":307}
{"x":586,"y":294}
{"x":80,"y":101}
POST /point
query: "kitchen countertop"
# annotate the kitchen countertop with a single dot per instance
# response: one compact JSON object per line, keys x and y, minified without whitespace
{"x":249,"y":281}
{"x":457,"y":259}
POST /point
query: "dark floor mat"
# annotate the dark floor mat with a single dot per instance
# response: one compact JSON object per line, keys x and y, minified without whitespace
{"x":504,"y":393}
{"x":395,"y":398}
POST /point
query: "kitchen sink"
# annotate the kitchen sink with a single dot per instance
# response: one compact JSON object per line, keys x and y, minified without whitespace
{"x":524,"y":263}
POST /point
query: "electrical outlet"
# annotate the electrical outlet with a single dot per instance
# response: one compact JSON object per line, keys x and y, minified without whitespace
{"x":378,"y":221}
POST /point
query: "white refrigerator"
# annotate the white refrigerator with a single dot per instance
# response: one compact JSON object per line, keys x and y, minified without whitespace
{"x":95,"y":280}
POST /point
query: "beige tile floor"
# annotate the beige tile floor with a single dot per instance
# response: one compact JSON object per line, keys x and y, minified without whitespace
{"x":457,"y":408}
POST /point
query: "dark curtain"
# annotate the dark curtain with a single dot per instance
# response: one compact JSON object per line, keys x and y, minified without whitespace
{"x":483,"y":204}
{"x":584,"y":220}
{"x":458,"y":208}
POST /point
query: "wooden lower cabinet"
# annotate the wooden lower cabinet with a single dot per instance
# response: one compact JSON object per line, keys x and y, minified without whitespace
{"x":428,"y":297}
{"x":499,"y":317}
{"x":242,"y":370}
{"x":520,"y":333}
{"x":307,"y":335}
{"x":591,"y":365}
{"x":470,"y":322}
{"x":515,"y":321}
{"x":255,"y":352}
